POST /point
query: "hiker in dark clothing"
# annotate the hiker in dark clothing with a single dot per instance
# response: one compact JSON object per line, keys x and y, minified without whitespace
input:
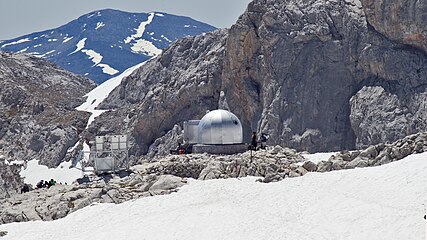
{"x":51,"y":183}
{"x":254,"y":142}
{"x":40,"y":184}
{"x":25,"y":188}
{"x":264,"y":138}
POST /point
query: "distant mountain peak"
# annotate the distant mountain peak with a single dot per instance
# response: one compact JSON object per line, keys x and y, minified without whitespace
{"x":104,"y":43}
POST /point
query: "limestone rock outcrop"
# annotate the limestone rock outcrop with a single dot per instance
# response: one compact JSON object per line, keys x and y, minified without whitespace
{"x":181,"y":84}
{"x":376,"y":155}
{"x":164,"y":175}
{"x":309,"y":73}
{"x":380,"y":116}
{"x":273,"y":164}
{"x":60,"y":200}
{"x":399,"y":20}
{"x":10,"y":181}
{"x":37,"y":116}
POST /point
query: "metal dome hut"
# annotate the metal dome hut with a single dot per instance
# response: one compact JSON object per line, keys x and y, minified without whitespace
{"x":218,"y":132}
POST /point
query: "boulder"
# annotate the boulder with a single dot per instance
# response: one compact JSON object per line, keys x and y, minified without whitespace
{"x":370,"y":153}
{"x":166,"y":183}
{"x":310,"y":166}
{"x":212,"y":171}
{"x":324,"y":166}
{"x":277,"y":149}
{"x":301,"y":171}
{"x":358,"y":162}
{"x":293,"y":174}
{"x":338,"y":164}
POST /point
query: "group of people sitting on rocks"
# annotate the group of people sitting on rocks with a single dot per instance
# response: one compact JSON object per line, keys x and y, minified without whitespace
{"x":39,"y":185}
{"x":46,"y":184}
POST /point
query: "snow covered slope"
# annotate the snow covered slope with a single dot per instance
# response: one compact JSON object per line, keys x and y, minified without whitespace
{"x":104,"y":43}
{"x":385,"y":202}
{"x":97,"y":95}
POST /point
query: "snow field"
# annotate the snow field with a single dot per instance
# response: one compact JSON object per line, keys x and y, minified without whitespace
{"x":378,"y":203}
{"x":34,"y":172}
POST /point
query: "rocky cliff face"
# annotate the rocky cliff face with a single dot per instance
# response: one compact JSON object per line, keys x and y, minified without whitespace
{"x":316,"y":75}
{"x":290,"y":70}
{"x":304,"y":70}
{"x":182,"y":84}
{"x":10,"y":181}
{"x":401,"y":21}
{"x":37,"y":116}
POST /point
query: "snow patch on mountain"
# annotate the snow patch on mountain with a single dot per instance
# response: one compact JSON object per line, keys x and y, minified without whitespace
{"x":99,"y":25}
{"x":146,"y":47}
{"x":141,"y":45}
{"x":23,"y":50}
{"x":96,"y":58}
{"x":107,"y":69}
{"x":80,"y":45}
{"x":45,"y":54}
{"x":66,"y":39}
{"x":165,"y":38}
{"x":16,"y":42}
{"x":140,"y":30}
{"x":94,"y":114}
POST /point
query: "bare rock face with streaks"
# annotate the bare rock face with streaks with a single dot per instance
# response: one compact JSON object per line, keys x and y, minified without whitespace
{"x":37,"y":116}
{"x":290,"y":70}
{"x":181,"y":84}
{"x":402,"y":21}
{"x":315,"y":75}
{"x":10,"y":181}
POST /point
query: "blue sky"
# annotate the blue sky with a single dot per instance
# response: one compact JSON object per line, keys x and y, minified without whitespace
{"x":19,"y":17}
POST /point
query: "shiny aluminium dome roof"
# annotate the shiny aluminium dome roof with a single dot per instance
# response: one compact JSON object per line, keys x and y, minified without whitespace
{"x":220,"y":127}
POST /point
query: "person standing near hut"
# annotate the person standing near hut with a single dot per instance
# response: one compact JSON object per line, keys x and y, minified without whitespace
{"x":254,"y":141}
